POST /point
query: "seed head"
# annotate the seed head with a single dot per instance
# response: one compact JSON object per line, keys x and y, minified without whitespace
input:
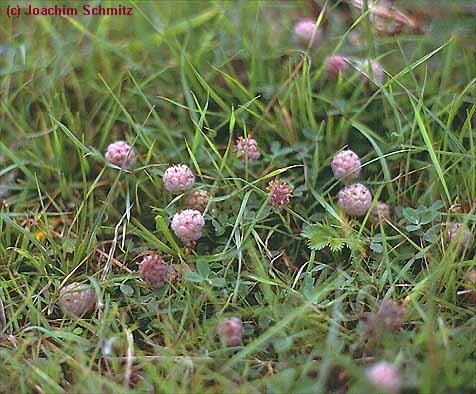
{"x":246,"y":148}
{"x":230,"y":331}
{"x":121,"y":154}
{"x":379,"y":213}
{"x":178,"y":179}
{"x":355,"y":199}
{"x":346,"y":165}
{"x":304,"y":29}
{"x":280,"y":194}
{"x":154,"y":270}
{"x":385,"y":376}
{"x":335,"y":65}
{"x":375,"y":72}
{"x":459,"y":233}
{"x":77,"y":299}
{"x":188,"y":225}
{"x":197,"y":200}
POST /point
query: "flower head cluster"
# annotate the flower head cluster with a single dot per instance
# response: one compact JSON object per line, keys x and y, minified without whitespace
{"x":77,"y":299}
{"x":335,"y":65}
{"x":154,"y":270}
{"x":197,"y":200}
{"x":280,"y":193}
{"x":187,"y":225}
{"x":230,"y":331}
{"x":385,"y":376}
{"x":121,"y":154}
{"x":178,"y":179}
{"x":246,"y":149}
{"x":355,"y":199}
{"x":304,"y":29}
{"x":346,"y":165}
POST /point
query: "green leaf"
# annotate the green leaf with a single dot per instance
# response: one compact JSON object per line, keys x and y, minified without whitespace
{"x":193,"y":277}
{"x":127,"y":290}
{"x":203,"y":268}
{"x":218,"y":282}
{"x":431,"y":150}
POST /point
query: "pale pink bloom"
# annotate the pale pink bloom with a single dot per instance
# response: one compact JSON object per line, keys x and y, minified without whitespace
{"x":178,"y":179}
{"x":355,"y":200}
{"x":335,"y":65}
{"x":121,"y":154}
{"x":346,"y":165}
{"x":187,"y":225}
{"x":304,"y":29}
{"x":385,"y":376}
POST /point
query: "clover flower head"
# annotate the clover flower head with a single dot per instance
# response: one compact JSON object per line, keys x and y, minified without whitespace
{"x":385,"y":376}
{"x":374,"y":68}
{"x":178,"y":179}
{"x":187,"y":225}
{"x":154,"y":270}
{"x":463,"y":238}
{"x":304,"y":28}
{"x":355,"y":199}
{"x":346,"y":165}
{"x":198,"y":200}
{"x":379,"y":213}
{"x":230,"y":331}
{"x":77,"y":299}
{"x":335,"y":65}
{"x":246,"y":148}
{"x":121,"y":154}
{"x":280,"y":193}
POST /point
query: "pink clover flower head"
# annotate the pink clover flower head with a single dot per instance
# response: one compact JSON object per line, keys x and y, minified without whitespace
{"x":187,"y":225}
{"x":246,"y":148}
{"x":178,"y":179}
{"x":355,"y":199}
{"x":230,"y":331}
{"x":121,"y":154}
{"x":304,"y":28}
{"x":346,"y":165}
{"x":385,"y":376}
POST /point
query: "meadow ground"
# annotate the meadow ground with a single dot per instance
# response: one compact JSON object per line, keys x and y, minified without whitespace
{"x":323,"y":296}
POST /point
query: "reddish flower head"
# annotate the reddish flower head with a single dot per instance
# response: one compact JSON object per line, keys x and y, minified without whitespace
{"x":280,"y":194}
{"x":459,"y":233}
{"x":230,"y":331}
{"x":246,"y":148}
{"x":154,"y":270}
{"x":335,"y":65}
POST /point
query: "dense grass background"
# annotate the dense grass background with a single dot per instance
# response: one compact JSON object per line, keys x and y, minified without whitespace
{"x":181,"y":81}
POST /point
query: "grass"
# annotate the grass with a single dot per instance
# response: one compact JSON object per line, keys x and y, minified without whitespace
{"x":181,"y":81}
